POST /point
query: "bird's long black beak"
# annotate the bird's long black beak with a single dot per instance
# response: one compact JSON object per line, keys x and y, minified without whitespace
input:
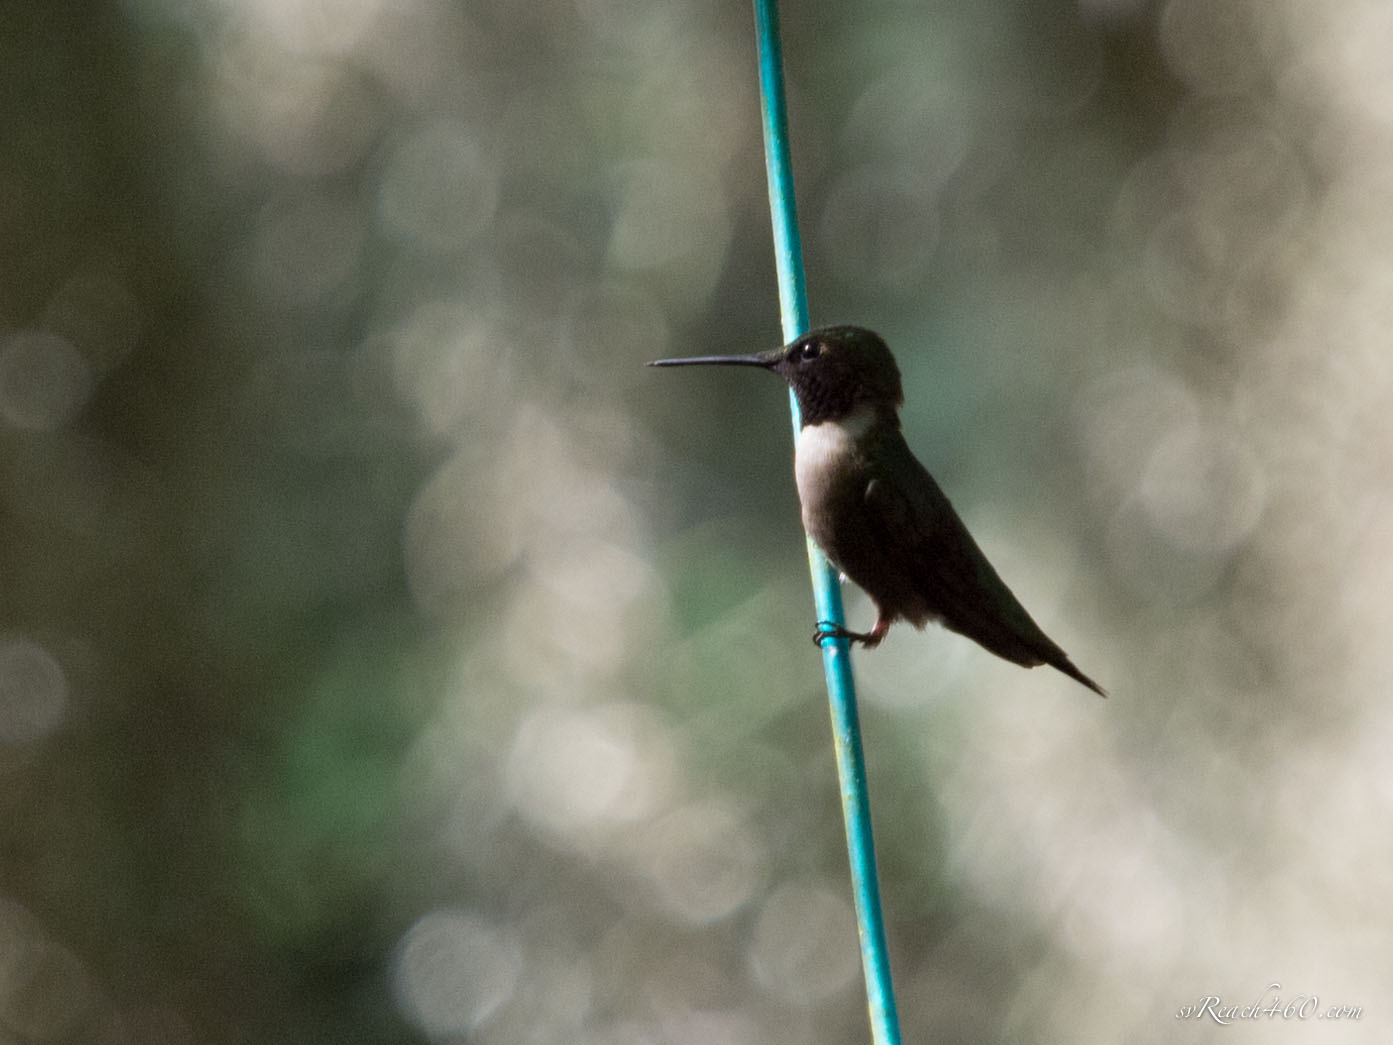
{"x":759,"y":359}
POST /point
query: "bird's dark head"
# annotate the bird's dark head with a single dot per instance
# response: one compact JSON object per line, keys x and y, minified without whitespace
{"x":833,"y":371}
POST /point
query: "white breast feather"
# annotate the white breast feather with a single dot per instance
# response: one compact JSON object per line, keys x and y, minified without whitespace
{"x":819,"y":446}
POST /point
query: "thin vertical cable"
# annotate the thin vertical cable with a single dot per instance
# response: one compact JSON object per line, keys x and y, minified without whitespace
{"x":836,"y":658}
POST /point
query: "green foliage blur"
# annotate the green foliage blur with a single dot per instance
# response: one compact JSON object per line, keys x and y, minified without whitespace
{"x":387,"y":656}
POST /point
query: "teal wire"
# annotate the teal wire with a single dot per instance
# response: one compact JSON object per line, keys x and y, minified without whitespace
{"x":827,"y":596}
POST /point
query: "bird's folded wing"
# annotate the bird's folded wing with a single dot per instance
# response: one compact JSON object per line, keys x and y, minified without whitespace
{"x":916,"y":523}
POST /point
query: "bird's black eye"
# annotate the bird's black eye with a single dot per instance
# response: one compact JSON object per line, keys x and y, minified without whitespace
{"x":809,"y":350}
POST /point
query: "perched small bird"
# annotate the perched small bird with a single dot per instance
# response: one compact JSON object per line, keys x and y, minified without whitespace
{"x":875,"y":511}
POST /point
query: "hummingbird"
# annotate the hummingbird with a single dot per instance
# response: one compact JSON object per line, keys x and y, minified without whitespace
{"x":877,"y":513}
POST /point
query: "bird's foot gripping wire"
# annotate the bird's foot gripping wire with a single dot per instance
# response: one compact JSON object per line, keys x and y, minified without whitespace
{"x":827,"y":629}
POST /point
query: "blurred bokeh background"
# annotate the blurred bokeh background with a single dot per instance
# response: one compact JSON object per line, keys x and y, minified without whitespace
{"x":386,"y":656}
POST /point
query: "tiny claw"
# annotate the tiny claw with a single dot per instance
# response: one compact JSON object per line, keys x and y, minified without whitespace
{"x":826,"y":629}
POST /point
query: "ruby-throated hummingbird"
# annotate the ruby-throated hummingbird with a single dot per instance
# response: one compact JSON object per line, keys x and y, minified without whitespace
{"x":875,"y":511}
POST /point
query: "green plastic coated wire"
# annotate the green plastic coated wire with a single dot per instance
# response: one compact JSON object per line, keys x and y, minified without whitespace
{"x":827,"y":596}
